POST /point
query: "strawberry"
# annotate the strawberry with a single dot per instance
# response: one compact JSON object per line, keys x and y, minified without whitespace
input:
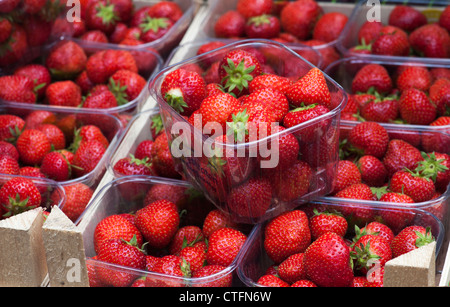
{"x":224,"y":245}
{"x":244,"y":201}
{"x":88,"y":133}
{"x":310,"y":89}
{"x":123,"y":253}
{"x":381,"y":110}
{"x":185,"y":236}
{"x":171,"y":265}
{"x":17,"y":89}
{"x":273,"y":81}
{"x":63,"y":93}
{"x":413,"y":184}
{"x":444,"y":20}
{"x":217,"y":109}
{"x":55,"y":166}
{"x":8,"y":6}
{"x":87,"y":157}
{"x":166,"y":9}
{"x":126,"y":85}
{"x":407,"y":18}
{"x":133,"y":166}
{"x":254,"y":8}
{"x":158,"y":222}
{"x":210,"y":270}
{"x":327,"y":262}
{"x":32,"y":146}
{"x":373,"y":172}
{"x":329,"y":27}
{"x":162,"y":159}
{"x":292,"y":269}
{"x":435,"y":141}
{"x":215,"y":220}
{"x":397,"y":219}
{"x":5,"y":29}
{"x":299,"y":17}
{"x":347,"y":174}
{"x":155,"y":28}
{"x":379,"y":229}
{"x":83,"y":81}
{"x":184,"y":90}
{"x":369,"y":138}
{"x":9,"y":150}
{"x":393,"y":41}
{"x":263,"y":26}
{"x":175,"y":194}
{"x":270,"y":98}
{"x":368,"y":249}
{"x":431,"y":41}
{"x":144,"y":150}
{"x":443,"y":175}
{"x":40,"y":76}
{"x":31,"y":171}
{"x":369,"y":31}
{"x":416,"y":107}
{"x":9,"y":165}
{"x":417,"y":77}
{"x":95,"y":36}
{"x":372,"y":75}
{"x":237,"y":69}
{"x":400,"y":155}
{"x":411,"y":238}
{"x":18,"y":195}
{"x":286,"y":235}
{"x":271,"y":281}
{"x":323,"y":222}
{"x":442,"y":99}
{"x":54,"y":134}
{"x":57,"y":60}
{"x":14,"y":49}
{"x":304,"y":284}
{"x":78,"y":196}
{"x":102,"y":15}
{"x":115,"y":226}
{"x":230,"y":24}
{"x":194,"y":255}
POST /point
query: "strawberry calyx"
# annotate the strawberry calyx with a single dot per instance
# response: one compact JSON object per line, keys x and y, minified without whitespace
{"x":361,"y":233}
{"x":424,"y":238}
{"x":154,"y":24}
{"x":133,"y":242}
{"x":237,"y":128}
{"x":139,"y":162}
{"x":237,"y":77}
{"x":363,"y":255}
{"x":379,"y":191}
{"x":216,"y":163}
{"x":363,"y":46}
{"x":118,"y":91}
{"x":107,"y":13}
{"x":185,"y":268}
{"x":430,"y":166}
{"x":157,"y":124}
{"x":16,"y":206}
{"x":304,"y":108}
{"x":174,"y":97}
{"x":15,"y":133}
{"x":259,"y":20}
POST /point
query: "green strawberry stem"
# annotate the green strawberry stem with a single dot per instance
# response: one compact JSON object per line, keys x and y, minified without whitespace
{"x":157,"y":123}
{"x":379,"y":192}
{"x":238,"y":127}
{"x":175,"y":99}
{"x":430,"y":166}
{"x":107,"y":14}
{"x":16,"y":206}
{"x":424,"y":239}
{"x":145,"y":161}
{"x":118,"y":91}
{"x":154,"y":24}
{"x":259,"y":20}
{"x":362,"y":255}
{"x":133,"y":242}
{"x":237,"y":76}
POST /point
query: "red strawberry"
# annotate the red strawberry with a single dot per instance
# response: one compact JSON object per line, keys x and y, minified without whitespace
{"x":409,"y":239}
{"x":276,"y":82}
{"x":18,"y":195}
{"x":368,"y":249}
{"x":40,"y":76}
{"x":63,"y":93}
{"x":9,"y":149}
{"x":310,"y":89}
{"x":166,"y":9}
{"x":95,"y":36}
{"x":442,"y":99}
{"x":194,"y":255}
{"x":323,"y":222}
{"x":58,"y":64}
{"x":444,"y":20}
{"x":271,"y":281}
{"x":224,"y":245}
{"x":300,"y":17}
{"x":171,"y":265}
{"x":32,"y":146}
{"x":184,"y":90}
{"x":162,"y":159}
{"x":292,"y":269}
{"x":431,"y":41}
{"x":397,"y":219}
{"x":263,"y":26}
{"x":270,"y":98}
{"x":407,"y":18}
{"x":115,"y":226}
{"x":400,"y":155}
{"x":327,"y":262}
{"x":9,"y":165}
{"x":209,"y":270}
{"x":417,"y":77}
{"x":102,"y":15}
{"x":416,"y":107}
{"x":5,"y":30}
{"x":304,"y":284}
{"x":230,"y":24}
{"x":126,"y":85}
{"x":88,"y":133}
{"x":87,"y":157}
{"x":215,"y":220}
{"x":217,"y":109}
{"x":372,"y":75}
{"x":347,"y":174}
{"x":393,"y":41}
{"x":254,"y":8}
{"x":17,"y":89}
{"x":381,"y":110}
{"x":286,"y":235}
{"x":155,"y":28}
{"x":133,"y":166}
{"x":443,"y":176}
{"x":379,"y":229}
{"x":329,"y":27}
{"x":369,"y":31}
{"x":54,"y":134}
{"x":158,"y":222}
{"x":436,"y":142}
{"x":103,"y":64}
{"x":15,"y":47}
{"x":55,"y":166}
{"x":369,"y":138}
{"x":419,"y":188}
{"x":185,"y":236}
{"x":78,"y":196}
{"x":373,"y":171}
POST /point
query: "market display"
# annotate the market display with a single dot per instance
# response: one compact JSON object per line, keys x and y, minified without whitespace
{"x":226,"y":144}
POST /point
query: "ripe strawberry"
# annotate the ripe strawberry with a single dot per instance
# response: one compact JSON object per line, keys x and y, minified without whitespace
{"x":310,"y":89}
{"x":133,"y":166}
{"x":32,"y":146}
{"x":416,"y":107}
{"x":329,"y":27}
{"x":397,"y":219}
{"x":17,"y":89}
{"x":87,"y":157}
{"x":14,"y":49}
{"x":95,"y":36}
{"x":381,"y":110}
{"x":161,"y":157}
{"x":9,"y":165}
{"x":40,"y":76}
{"x":55,"y":166}
{"x":5,"y":30}
{"x":103,"y":64}
{"x":369,"y":31}
{"x":54,"y":134}
{"x":215,"y":220}
{"x":88,"y":133}
{"x":443,"y":175}
{"x":327,"y":262}
{"x":63,"y":93}
{"x":251,"y":199}
{"x":393,"y":41}
{"x":269,"y":98}
{"x":373,"y":171}
{"x":217,"y":109}
{"x":9,"y":149}
{"x":58,"y":64}
{"x":300,"y":17}
{"x":276,"y":82}
{"x":431,"y":41}
{"x":18,"y":195}
{"x":209,"y":270}
{"x":271,"y":281}
{"x":407,"y":18}
{"x":78,"y":196}
{"x":194,"y":255}
{"x":155,"y":28}
{"x":379,"y":229}
{"x":436,"y":142}
{"x":444,"y":20}
{"x":184,"y":90}
{"x":237,"y":69}
{"x":304,"y":284}
{"x":400,"y":155}
{"x":263,"y":26}
{"x":166,"y":9}
{"x":347,"y":174}
{"x":171,"y":265}
{"x":442,"y":99}
{"x":372,"y":75}
{"x":410,"y":238}
{"x":368,"y":249}
{"x":292,"y":269}
{"x":230,"y":24}
{"x":224,"y":245}
{"x":102,"y":15}
{"x":115,"y":226}
{"x":185,"y":236}
{"x":158,"y":222}
{"x":369,"y":138}
{"x":254,"y":8}
{"x":417,"y":77}
{"x":286,"y":235}
{"x":357,"y":214}
{"x":122,"y":253}
{"x":323,"y":222}
{"x":413,"y":184}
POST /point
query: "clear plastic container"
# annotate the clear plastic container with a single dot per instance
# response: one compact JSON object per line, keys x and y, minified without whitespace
{"x":344,"y":71}
{"x":148,"y":61}
{"x":217,"y":8}
{"x":52,"y":193}
{"x":194,"y":165}
{"x":255,"y":261}
{"x":108,"y":124}
{"x":364,"y":8}
{"x":172,"y":38}
{"x":116,"y":198}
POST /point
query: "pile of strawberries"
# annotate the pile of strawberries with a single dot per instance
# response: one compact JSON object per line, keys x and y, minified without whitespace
{"x":242,"y":96}
{"x":300,"y":21}
{"x":72,"y":76}
{"x":158,"y":238}
{"x":152,"y":156}
{"x":404,"y":94}
{"x":316,"y":247}
{"x":43,"y":144}
{"x":120,"y":22}
{"x":26,"y":26}
{"x":408,"y":33}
